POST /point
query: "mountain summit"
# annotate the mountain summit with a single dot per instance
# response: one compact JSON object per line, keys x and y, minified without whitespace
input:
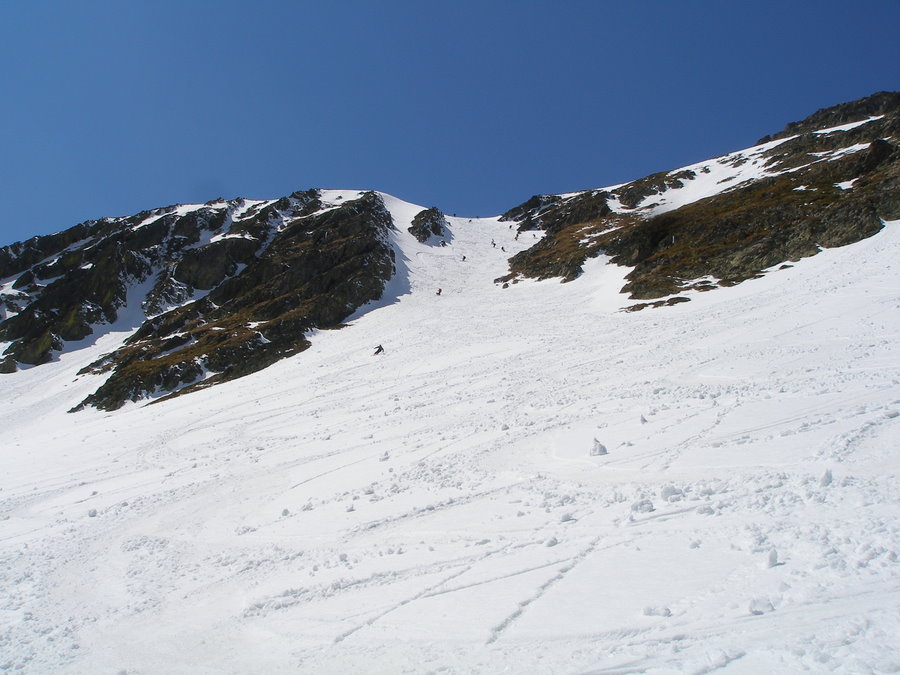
{"x":215,"y":291}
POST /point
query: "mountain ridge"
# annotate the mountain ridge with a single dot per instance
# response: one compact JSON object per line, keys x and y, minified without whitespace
{"x":236,"y":285}
{"x":525,"y":479}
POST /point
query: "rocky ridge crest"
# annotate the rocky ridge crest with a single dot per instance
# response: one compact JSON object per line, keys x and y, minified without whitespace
{"x":779,"y":201}
{"x":227,"y":288}
{"x":231,"y":287}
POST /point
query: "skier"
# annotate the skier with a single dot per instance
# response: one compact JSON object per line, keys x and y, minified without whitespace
{"x":438,"y":292}
{"x":378,"y":350}
{"x":464,"y":258}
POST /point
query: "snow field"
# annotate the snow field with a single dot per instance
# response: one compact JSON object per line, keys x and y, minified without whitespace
{"x":437,"y":507}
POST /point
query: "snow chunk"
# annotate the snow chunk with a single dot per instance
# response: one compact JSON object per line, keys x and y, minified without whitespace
{"x":670,"y":493}
{"x":760,"y":606}
{"x":643,"y":506}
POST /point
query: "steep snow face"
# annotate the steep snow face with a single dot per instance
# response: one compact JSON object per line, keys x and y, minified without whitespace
{"x":711,"y":177}
{"x":848,"y":127}
{"x":443,"y":505}
{"x":706,"y":179}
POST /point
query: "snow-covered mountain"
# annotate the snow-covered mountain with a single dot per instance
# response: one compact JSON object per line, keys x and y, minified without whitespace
{"x":527,"y":478}
{"x":223,"y":289}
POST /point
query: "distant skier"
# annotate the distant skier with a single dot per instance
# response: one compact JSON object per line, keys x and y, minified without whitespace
{"x":493,"y":243}
{"x":464,"y":258}
{"x":378,"y":350}
{"x":438,"y":291}
{"x":503,"y":249}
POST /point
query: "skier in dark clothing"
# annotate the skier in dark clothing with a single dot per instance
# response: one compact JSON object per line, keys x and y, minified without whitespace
{"x":438,"y":292}
{"x":378,"y":350}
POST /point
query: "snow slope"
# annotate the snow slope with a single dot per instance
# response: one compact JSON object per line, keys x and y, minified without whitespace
{"x":437,"y":508}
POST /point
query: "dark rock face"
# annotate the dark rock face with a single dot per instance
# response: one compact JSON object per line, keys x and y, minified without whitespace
{"x":532,"y":209}
{"x":272,"y":271}
{"x":828,"y":192}
{"x":877,"y":104}
{"x":427,"y":224}
{"x":634,"y":193}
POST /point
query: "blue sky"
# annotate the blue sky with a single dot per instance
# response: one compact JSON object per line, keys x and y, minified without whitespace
{"x":112,"y":107}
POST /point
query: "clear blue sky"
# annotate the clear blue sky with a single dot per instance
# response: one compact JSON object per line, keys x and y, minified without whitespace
{"x":112,"y":107}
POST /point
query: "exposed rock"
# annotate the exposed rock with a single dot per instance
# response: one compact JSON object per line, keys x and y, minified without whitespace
{"x":273,"y":270}
{"x":317,"y":270}
{"x":8,"y":365}
{"x":532,"y":208}
{"x":207,"y":266}
{"x":738,"y":233}
{"x":552,"y":212}
{"x":427,"y":224}
{"x":877,"y":104}
{"x":632,"y":194}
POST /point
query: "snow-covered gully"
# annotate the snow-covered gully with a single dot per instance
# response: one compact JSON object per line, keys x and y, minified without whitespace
{"x":438,"y":508}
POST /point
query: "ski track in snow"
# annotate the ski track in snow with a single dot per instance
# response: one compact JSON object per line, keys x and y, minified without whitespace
{"x":437,"y":509}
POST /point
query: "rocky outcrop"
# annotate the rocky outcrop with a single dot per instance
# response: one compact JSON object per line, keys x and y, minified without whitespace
{"x":233,"y":287}
{"x":428,"y":224}
{"x":317,"y":270}
{"x":826,"y":189}
{"x":531,"y":209}
{"x":880,"y":103}
{"x":637,"y":191}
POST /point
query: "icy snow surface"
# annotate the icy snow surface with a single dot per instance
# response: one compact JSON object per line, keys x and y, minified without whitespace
{"x":441,"y":507}
{"x":848,"y":127}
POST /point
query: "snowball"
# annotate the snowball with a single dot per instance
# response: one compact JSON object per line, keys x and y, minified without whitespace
{"x":760,"y":606}
{"x":642,"y":506}
{"x":670,"y":493}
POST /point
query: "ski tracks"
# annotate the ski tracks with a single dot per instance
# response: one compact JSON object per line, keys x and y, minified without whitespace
{"x":498,"y":630}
